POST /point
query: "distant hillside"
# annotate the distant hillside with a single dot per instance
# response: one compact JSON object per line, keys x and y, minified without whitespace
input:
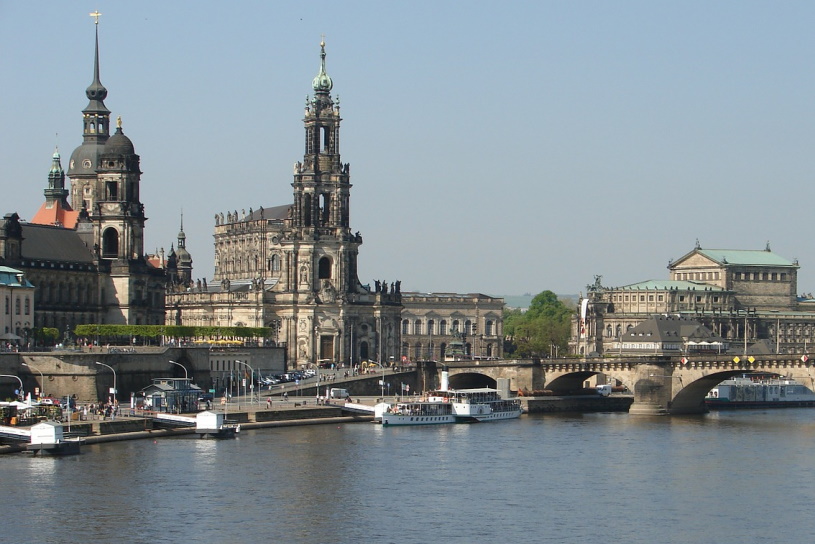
{"x":522,"y":301}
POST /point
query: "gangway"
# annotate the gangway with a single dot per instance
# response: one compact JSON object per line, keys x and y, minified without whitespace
{"x":173,"y":420}
{"x":357,"y":408}
{"x":15,"y":433}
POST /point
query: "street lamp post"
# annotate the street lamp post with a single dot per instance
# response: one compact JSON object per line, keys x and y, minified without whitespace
{"x":251,"y":378}
{"x":115,"y":391}
{"x":186,"y":376}
{"x":42,"y":378}
{"x":16,"y":378}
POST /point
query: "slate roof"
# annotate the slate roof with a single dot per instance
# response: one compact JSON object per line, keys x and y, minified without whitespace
{"x":275,"y":212}
{"x":665,"y":328}
{"x":48,"y":243}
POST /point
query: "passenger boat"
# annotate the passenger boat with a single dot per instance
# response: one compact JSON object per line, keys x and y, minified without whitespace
{"x":760,"y":391}
{"x":419,"y":412}
{"x":452,"y":406}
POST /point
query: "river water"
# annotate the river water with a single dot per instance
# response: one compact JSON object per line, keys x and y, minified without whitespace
{"x":725,"y":477}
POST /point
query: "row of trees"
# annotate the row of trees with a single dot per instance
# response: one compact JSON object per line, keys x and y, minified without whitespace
{"x":543,"y":330}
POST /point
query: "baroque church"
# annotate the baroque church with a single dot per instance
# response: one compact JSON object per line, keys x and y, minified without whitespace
{"x":294,"y":267}
{"x":85,"y":257}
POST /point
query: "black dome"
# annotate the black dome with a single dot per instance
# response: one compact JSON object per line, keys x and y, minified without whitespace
{"x":120,"y":144}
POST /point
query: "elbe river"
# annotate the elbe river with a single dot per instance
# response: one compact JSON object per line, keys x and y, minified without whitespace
{"x":725,"y":477}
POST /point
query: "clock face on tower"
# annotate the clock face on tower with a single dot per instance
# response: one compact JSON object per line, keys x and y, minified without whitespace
{"x":86,"y":163}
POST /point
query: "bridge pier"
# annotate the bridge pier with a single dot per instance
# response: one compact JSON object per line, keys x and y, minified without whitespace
{"x":658,"y":392}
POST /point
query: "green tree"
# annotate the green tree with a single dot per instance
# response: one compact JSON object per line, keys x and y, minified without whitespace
{"x":542,"y":328}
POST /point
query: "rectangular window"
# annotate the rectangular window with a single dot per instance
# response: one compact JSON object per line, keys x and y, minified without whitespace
{"x":698,"y":298}
{"x":783,"y":277}
{"x":650,"y":298}
{"x":660,"y":298}
{"x":642,"y":298}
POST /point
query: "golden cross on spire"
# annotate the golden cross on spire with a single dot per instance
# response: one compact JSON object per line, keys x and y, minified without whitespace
{"x":96,"y":15}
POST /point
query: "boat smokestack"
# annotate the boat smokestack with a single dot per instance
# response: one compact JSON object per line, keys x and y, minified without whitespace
{"x":445,"y":381}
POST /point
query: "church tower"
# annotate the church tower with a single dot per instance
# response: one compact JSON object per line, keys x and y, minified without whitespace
{"x":183,"y":257}
{"x":118,"y":214}
{"x":56,"y":211}
{"x":105,"y":181}
{"x":327,"y":251}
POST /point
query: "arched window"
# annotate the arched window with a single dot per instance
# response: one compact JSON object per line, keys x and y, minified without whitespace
{"x":488,"y":330}
{"x":307,"y":209}
{"x":431,"y":326}
{"x":619,"y":331}
{"x":417,"y":351}
{"x":417,"y":326}
{"x":324,"y":268}
{"x":443,"y":327}
{"x":609,"y":331}
{"x":489,"y":350}
{"x":275,"y":263}
{"x":110,"y":243}
{"x":455,"y":325}
{"x":325,"y":209}
{"x":405,"y":324}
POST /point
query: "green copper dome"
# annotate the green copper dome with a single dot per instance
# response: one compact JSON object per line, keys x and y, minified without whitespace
{"x":322,"y":83}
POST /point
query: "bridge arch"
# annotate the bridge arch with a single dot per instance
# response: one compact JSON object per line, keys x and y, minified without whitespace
{"x":471,"y":380}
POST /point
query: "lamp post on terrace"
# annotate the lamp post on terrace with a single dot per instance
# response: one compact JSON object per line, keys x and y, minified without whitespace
{"x":42,"y":378}
{"x":186,"y":376}
{"x":251,"y":378}
{"x":114,"y":390}
{"x":16,"y":378}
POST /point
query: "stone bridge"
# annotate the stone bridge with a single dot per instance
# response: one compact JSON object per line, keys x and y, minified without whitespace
{"x":661,"y":384}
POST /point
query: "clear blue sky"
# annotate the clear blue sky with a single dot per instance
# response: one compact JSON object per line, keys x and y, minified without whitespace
{"x":494,"y":147}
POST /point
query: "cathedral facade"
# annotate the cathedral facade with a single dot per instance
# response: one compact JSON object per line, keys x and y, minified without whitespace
{"x":293,"y":268}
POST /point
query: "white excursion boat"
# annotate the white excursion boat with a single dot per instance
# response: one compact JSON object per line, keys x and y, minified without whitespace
{"x":759,"y":391}
{"x":453,"y":406}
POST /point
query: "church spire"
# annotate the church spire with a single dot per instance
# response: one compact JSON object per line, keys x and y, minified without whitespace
{"x":322,"y":82}
{"x":95,"y":123}
{"x":56,"y":181}
{"x":96,"y":114}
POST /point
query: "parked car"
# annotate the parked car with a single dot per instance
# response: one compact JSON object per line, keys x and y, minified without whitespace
{"x":53,"y":401}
